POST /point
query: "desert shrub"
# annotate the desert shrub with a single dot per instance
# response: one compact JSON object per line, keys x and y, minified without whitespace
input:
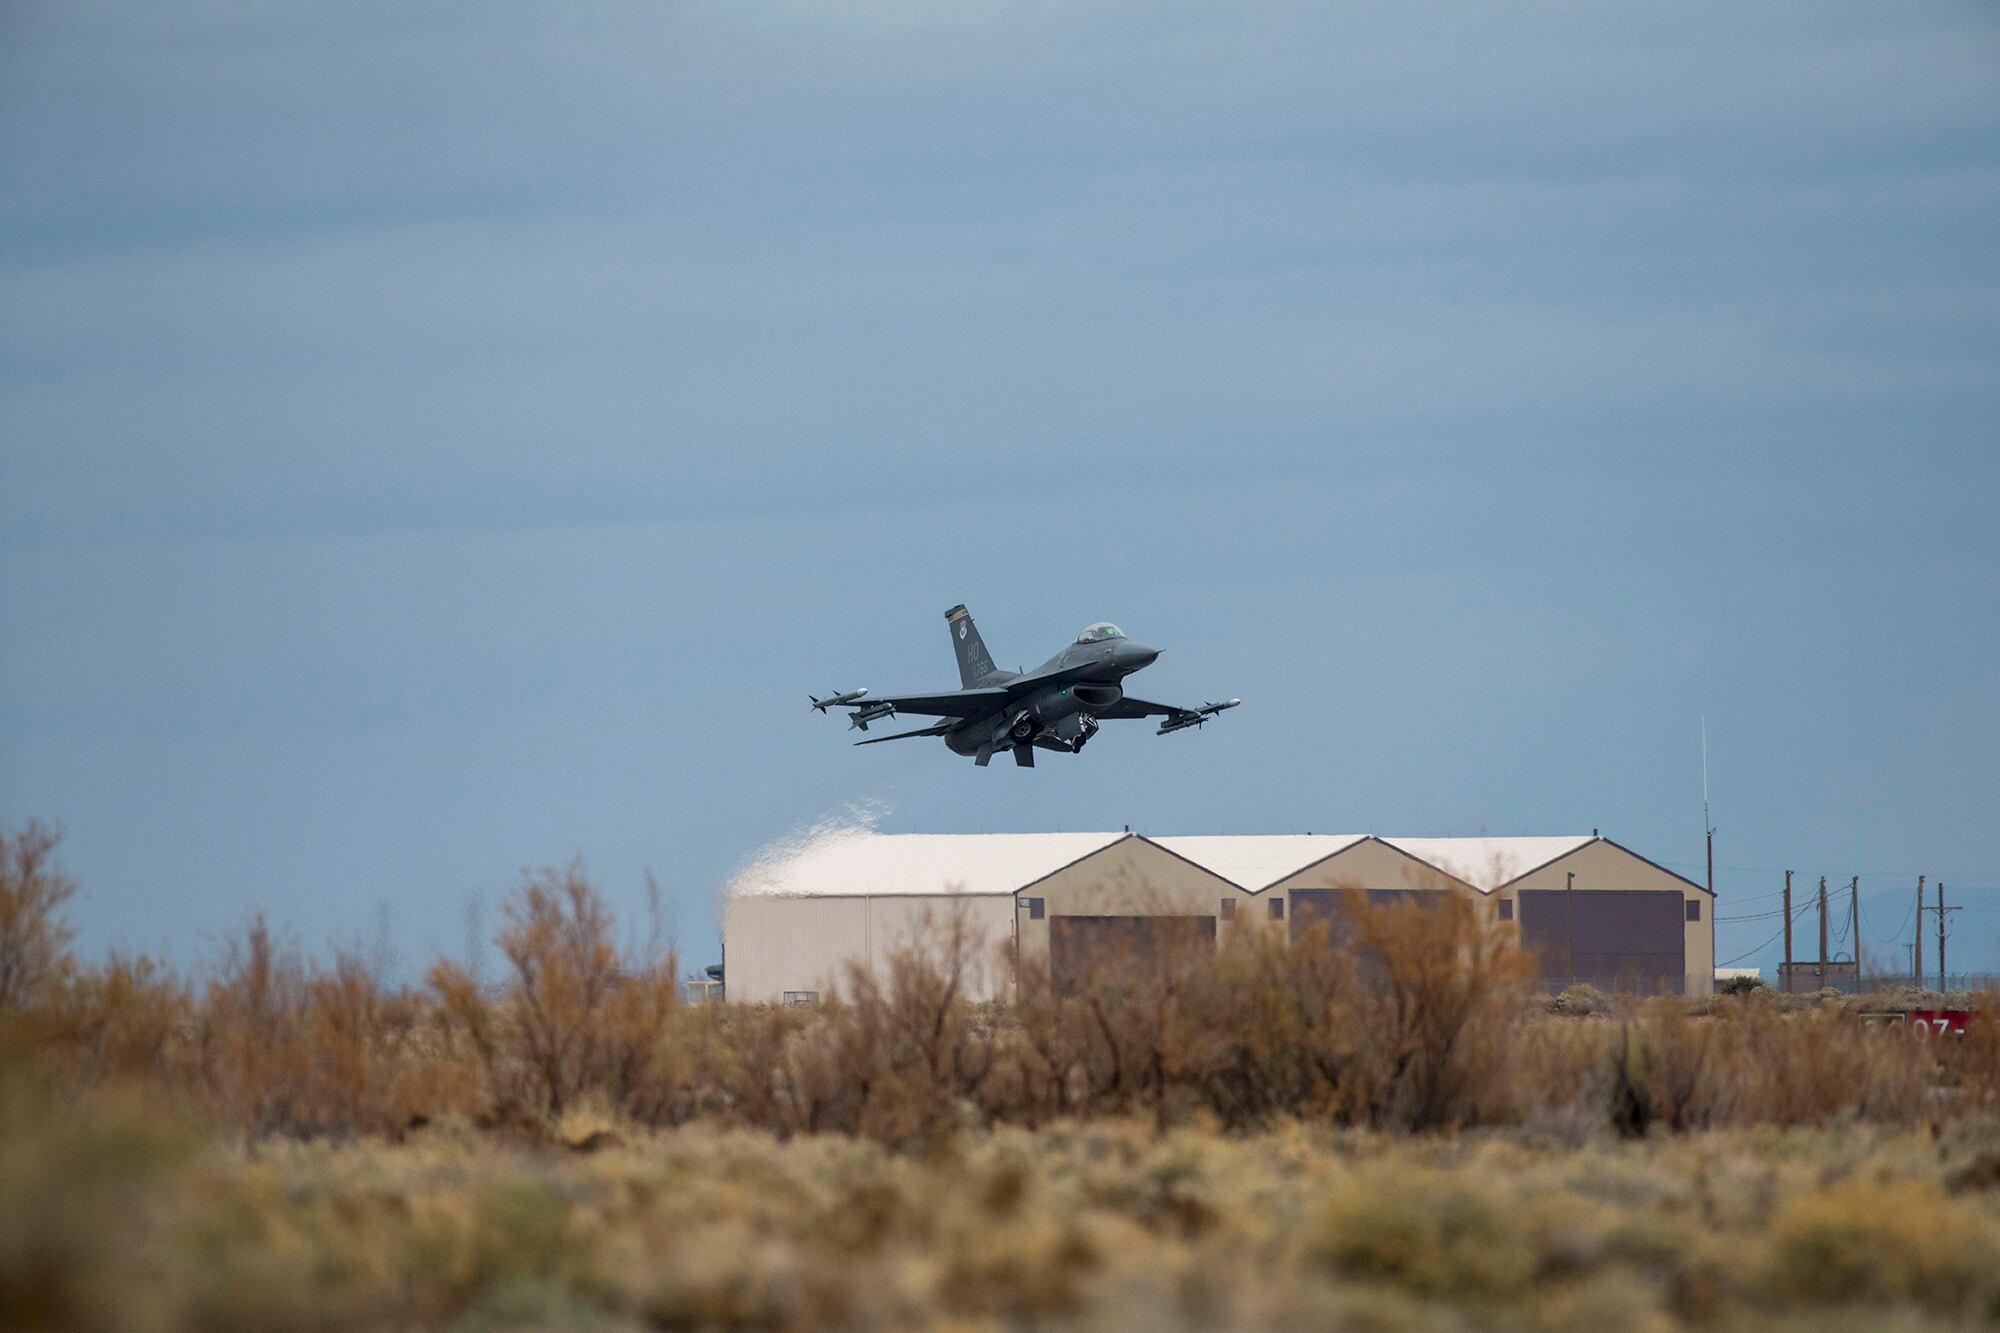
{"x":573,"y":1015}
{"x":1407,"y":1025}
{"x":1581,"y":1000}
{"x":1560,"y":1076}
{"x":254,"y":1058}
{"x":1123,"y":1029}
{"x":557,"y":940}
{"x":1435,"y":1017}
{"x":34,"y":939}
{"x":1679,"y":1070}
{"x":1741,"y":985}
{"x":1887,"y":1242}
{"x":1424,"y":1230}
{"x":74,"y":1182}
{"x":1818,"y":1066}
{"x":1044,"y":1056}
{"x":1970,"y":1062}
{"x":1414,"y":1020}
{"x":125,"y":1019}
{"x":901,"y":1057}
{"x":920,"y":1047}
{"x":1266,"y":1028}
{"x":368,"y":1071}
{"x":285,"y":1045}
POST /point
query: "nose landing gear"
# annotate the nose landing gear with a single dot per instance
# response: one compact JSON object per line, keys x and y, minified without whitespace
{"x":1075,"y":730}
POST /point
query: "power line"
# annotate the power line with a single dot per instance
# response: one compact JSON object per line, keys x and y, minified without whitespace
{"x":1796,"y":917}
{"x":1865,"y":874}
{"x":1739,"y":898}
{"x":1897,"y":937}
{"x":1756,"y":949}
{"x":1751,"y":916}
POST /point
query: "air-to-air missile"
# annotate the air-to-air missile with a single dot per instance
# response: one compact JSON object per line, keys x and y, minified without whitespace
{"x":834,"y":700}
{"x":1195,"y":718}
{"x":867,"y":713}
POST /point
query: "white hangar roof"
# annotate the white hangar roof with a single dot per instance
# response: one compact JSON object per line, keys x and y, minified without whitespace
{"x":1259,"y":860}
{"x":852,"y":864}
{"x":856,"y":863}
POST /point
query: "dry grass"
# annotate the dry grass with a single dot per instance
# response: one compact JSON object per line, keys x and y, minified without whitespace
{"x":115,"y":1217}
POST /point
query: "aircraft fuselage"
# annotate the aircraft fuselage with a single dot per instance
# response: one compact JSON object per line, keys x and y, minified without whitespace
{"x":1060,"y":717}
{"x":1057,"y":706}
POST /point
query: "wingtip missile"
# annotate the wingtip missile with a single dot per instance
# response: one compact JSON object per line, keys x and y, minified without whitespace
{"x":835,"y":700}
{"x":1181,"y":721}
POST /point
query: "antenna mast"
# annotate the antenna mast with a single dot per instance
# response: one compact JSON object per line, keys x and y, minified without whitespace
{"x":1708,"y":829}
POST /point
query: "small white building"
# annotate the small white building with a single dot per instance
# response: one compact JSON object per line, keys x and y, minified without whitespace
{"x":796,"y":921}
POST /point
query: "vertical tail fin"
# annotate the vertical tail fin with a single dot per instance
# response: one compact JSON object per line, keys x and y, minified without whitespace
{"x":975,"y":664}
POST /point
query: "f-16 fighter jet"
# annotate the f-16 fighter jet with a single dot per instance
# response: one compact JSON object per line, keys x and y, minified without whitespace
{"x":1057,"y":706}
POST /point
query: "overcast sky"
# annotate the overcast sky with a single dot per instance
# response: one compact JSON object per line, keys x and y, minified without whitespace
{"x":440,"y":439}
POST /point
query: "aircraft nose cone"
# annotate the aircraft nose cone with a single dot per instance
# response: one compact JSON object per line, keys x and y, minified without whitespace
{"x":1138,"y":655}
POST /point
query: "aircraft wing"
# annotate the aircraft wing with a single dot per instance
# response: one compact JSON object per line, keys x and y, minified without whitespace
{"x":937,"y":730}
{"x":947,"y":703}
{"x":1176,"y":717}
{"x":952,"y":703}
{"x":1131,"y":707}
{"x":972,"y":703}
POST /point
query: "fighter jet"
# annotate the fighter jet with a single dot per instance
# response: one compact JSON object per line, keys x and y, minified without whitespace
{"x":1057,"y":706}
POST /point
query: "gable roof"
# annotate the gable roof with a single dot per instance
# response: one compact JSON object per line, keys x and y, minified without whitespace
{"x":856,"y":863}
{"x":1488,"y":863}
{"x":1656,"y":865}
{"x":1257,"y":861}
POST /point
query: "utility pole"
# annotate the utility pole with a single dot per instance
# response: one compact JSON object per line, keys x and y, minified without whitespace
{"x":1708,"y":829}
{"x":1822,"y":932}
{"x":1854,"y":924}
{"x":1942,"y":911}
{"x":1785,"y":977}
{"x":1569,"y":926}
{"x":1917,"y":954}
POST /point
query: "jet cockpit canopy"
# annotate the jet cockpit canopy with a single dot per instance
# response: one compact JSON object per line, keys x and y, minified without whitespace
{"x":1099,"y":632}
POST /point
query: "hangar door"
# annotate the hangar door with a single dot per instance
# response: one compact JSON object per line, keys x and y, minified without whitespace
{"x":1615,"y":939}
{"x":1083,"y":946}
{"x":1310,"y":907}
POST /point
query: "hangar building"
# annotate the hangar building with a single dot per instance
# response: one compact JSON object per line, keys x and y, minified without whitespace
{"x":1589,"y":909}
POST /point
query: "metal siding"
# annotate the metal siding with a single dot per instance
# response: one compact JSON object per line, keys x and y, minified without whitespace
{"x":1133,"y":878}
{"x":778,"y":944}
{"x":1620,"y":939}
{"x":1368,"y":862}
{"x":918,"y":923}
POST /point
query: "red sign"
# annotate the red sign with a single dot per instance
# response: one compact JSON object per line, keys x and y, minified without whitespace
{"x":1931,"y":1023}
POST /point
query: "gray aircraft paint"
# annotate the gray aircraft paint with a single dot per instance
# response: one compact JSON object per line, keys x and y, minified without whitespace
{"x":1057,"y":706}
